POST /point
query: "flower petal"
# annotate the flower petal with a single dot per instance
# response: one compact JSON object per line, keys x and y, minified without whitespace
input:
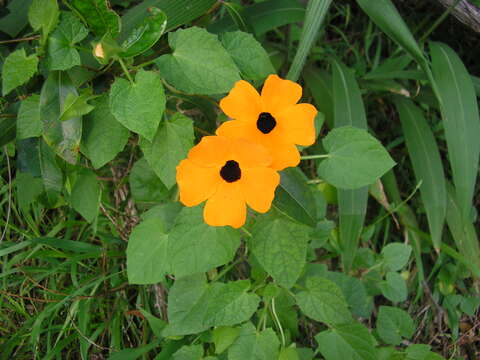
{"x":250,"y":154}
{"x":297,"y":123}
{"x":196,"y":183}
{"x":259,"y":186}
{"x":237,"y":129}
{"x":210,"y":151}
{"x":242,"y":102}
{"x":285,"y":154}
{"x":278,"y":94}
{"x":226,"y":207}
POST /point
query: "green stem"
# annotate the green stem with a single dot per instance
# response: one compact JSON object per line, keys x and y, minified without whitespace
{"x":311,"y":157}
{"x":125,"y":70}
{"x":277,"y":321}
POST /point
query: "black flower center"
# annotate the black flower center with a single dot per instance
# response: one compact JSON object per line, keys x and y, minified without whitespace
{"x":266,"y":122}
{"x":231,"y":172}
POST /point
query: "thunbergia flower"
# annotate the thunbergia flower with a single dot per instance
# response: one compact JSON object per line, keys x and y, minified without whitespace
{"x":228,"y":174}
{"x":272,"y":119}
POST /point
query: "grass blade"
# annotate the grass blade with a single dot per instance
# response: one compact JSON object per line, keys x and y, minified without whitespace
{"x":316,"y":11}
{"x":352,"y":204}
{"x":427,"y":165}
{"x":460,"y":119}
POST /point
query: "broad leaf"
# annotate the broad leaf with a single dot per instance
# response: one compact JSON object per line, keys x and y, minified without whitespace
{"x":145,"y":35}
{"x":61,"y":46}
{"x":197,"y":247}
{"x":396,"y":255}
{"x":253,"y":345}
{"x":28,"y":120}
{"x":75,"y":106}
{"x":43,"y":14}
{"x":394,"y":287}
{"x":393,"y":324}
{"x":280,"y":246}
{"x":194,"y":305}
{"x":170,"y":145}
{"x":17,"y":69}
{"x":145,"y":185}
{"x":191,"y":352}
{"x":103,"y":136}
{"x":349,"y":341}
{"x":199,"y":63}
{"x":28,"y":189}
{"x":223,"y":337}
{"x":85,"y":196}
{"x":62,"y":136}
{"x":51,"y":174}
{"x":139,"y":106}
{"x":250,"y":57}
{"x":355,"y":158}
{"x":294,"y":197}
{"x":99,"y":17}
{"x":146,"y":252}
{"x":323,"y":301}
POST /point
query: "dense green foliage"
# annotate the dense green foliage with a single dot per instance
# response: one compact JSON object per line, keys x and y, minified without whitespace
{"x":370,"y":250}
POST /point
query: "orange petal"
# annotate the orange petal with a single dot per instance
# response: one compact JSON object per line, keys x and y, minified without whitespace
{"x":259,"y":186}
{"x":297,"y":123}
{"x":226,"y":207}
{"x":250,"y":154}
{"x":210,"y":151}
{"x":243,"y":102}
{"x":236,"y":129}
{"x":196,"y":183}
{"x":285,"y":154}
{"x":278,"y":94}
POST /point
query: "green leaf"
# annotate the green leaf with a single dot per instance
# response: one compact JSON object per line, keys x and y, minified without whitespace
{"x":157,"y":325}
{"x":139,"y":106}
{"x":385,"y":15}
{"x":28,"y":120}
{"x":134,"y":353}
{"x":171,"y":143}
{"x":324,"y":301}
{"x":28,"y":189}
{"x":17,"y":69}
{"x":85,"y":196}
{"x":355,"y":158}
{"x":62,"y":136}
{"x":393,"y":324}
{"x":16,"y":19}
{"x":199,"y":63}
{"x":145,"y":185}
{"x":289,"y":353}
{"x":75,"y":106}
{"x":294,"y":197}
{"x":43,"y":14}
{"x":348,"y":110}
{"x":196,"y":247}
{"x":427,"y":165}
{"x":147,"y":252}
{"x":396,"y":256}
{"x":191,"y":352}
{"x":264,"y":16}
{"x":349,"y":341}
{"x":103,"y":136}
{"x":99,"y":17}
{"x":253,"y":345}
{"x":178,"y":12}
{"x":250,"y":57}
{"x":61,"y":47}
{"x":280,"y":246}
{"x":145,"y":35}
{"x":394,"y":287}
{"x":223,"y":337}
{"x":319,"y":82}
{"x":460,"y":120}
{"x":51,"y":174}
{"x":194,"y":305}
{"x":354,"y":292}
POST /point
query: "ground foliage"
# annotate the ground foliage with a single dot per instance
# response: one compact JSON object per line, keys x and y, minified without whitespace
{"x":102,"y":99}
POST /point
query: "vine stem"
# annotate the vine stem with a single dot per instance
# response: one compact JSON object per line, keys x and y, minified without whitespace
{"x":277,"y":320}
{"x":310,"y":157}
{"x":125,"y":70}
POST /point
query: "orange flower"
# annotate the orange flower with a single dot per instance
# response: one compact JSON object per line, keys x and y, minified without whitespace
{"x":272,"y":119}
{"x":228,"y":173}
